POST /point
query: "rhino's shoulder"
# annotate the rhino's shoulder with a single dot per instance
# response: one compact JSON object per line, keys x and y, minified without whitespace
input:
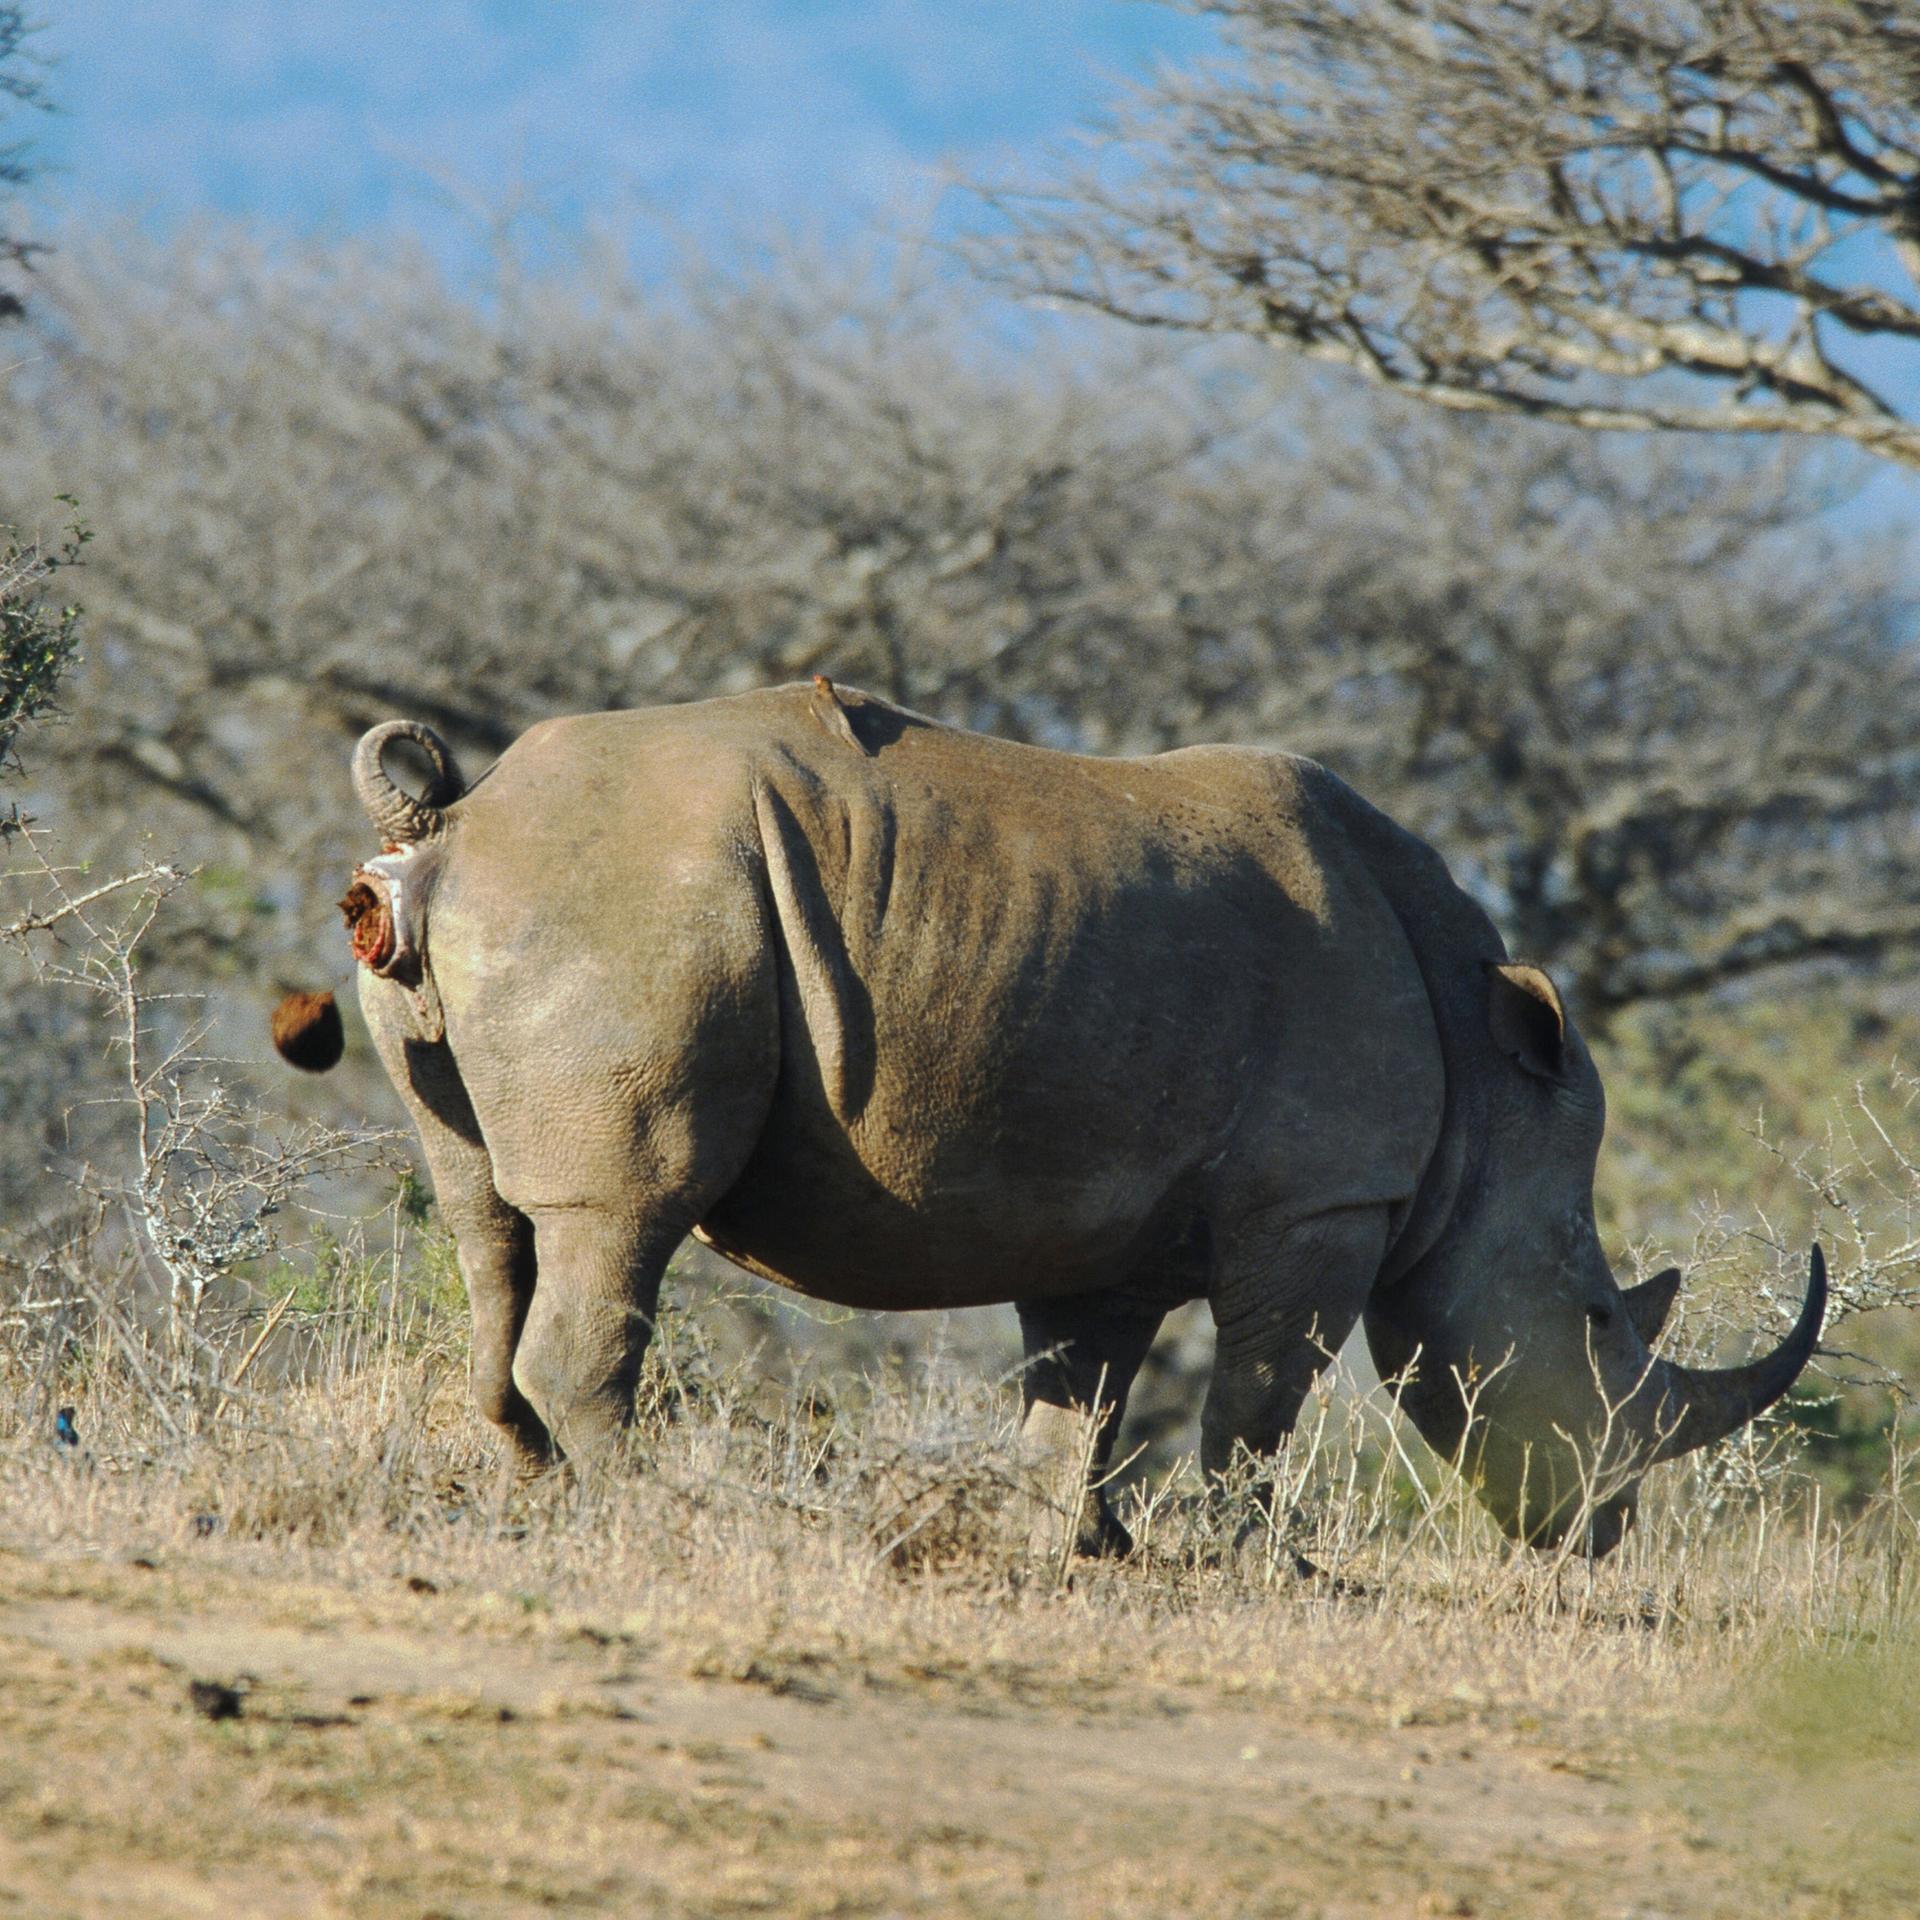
{"x":1284,"y":791}
{"x":1310,"y":806}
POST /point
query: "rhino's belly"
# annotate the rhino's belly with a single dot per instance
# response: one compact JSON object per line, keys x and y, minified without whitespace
{"x":838,"y":1234}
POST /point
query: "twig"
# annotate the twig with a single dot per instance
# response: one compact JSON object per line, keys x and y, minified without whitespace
{"x":261,"y":1338}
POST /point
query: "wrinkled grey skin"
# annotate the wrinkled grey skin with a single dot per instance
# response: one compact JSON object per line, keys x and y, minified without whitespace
{"x":908,"y":1017}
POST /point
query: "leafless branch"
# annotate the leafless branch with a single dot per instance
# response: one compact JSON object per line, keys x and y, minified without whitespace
{"x":1626,"y":214}
{"x":196,"y":1177}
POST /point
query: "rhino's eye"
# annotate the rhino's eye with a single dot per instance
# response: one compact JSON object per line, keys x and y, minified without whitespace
{"x":1600,"y":1316}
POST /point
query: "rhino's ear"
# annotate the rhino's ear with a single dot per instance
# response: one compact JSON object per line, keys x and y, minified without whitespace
{"x":1527,"y":1019}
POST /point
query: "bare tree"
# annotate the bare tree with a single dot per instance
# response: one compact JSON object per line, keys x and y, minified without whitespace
{"x":36,"y":643}
{"x":195,"y":1184}
{"x":341,"y":490}
{"x":1698,"y":214}
{"x":1659,"y":727}
{"x":21,"y":86}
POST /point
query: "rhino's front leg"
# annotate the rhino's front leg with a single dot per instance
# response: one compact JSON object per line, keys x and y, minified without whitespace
{"x":586,"y":1332}
{"x":1284,"y":1299}
{"x":1081,"y":1357}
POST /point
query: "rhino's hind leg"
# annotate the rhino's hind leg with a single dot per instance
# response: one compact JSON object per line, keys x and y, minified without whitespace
{"x":1081,"y":1357}
{"x":495,"y":1243}
{"x":1284,"y":1298}
{"x":494,"y":1240}
{"x":591,"y":1320}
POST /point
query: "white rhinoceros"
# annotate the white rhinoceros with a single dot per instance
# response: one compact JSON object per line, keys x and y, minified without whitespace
{"x":904,"y":1016}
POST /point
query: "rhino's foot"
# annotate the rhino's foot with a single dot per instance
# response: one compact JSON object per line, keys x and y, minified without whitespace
{"x":526,"y":1452}
{"x":528,"y":1466}
{"x":1252,"y":1550}
{"x":1096,"y":1534}
{"x":1335,"y":1584}
{"x":1238,"y":1534}
{"x":1102,"y":1534}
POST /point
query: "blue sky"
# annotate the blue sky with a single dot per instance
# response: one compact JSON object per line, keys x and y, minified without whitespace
{"x":709,"y":119}
{"x":727,"y":115}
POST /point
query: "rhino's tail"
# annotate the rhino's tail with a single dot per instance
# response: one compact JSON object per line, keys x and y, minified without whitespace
{"x":401,"y":819}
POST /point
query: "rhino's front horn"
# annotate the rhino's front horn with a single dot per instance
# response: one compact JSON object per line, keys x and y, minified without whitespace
{"x":1703,"y":1404}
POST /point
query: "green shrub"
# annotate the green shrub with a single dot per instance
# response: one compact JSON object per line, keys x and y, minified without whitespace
{"x":38,"y":641}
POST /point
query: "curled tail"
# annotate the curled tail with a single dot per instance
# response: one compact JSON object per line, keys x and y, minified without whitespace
{"x":400,"y":818}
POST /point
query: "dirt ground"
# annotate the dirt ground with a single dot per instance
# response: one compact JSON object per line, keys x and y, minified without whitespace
{"x":419,"y":1751}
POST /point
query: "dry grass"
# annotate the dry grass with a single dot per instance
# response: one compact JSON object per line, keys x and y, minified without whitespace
{"x":835,"y":1567}
{"x":884,"y":1501}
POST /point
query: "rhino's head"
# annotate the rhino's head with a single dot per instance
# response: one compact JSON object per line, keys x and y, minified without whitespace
{"x":1530,"y":1365}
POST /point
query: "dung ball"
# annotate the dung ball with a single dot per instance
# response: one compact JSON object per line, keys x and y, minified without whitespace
{"x":307,"y":1031}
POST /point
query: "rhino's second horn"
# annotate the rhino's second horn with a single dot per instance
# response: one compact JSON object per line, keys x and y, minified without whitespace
{"x":400,"y":818}
{"x":1650,"y":1302}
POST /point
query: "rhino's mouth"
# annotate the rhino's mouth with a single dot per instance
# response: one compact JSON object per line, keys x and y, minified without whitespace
{"x":1601,"y":1527}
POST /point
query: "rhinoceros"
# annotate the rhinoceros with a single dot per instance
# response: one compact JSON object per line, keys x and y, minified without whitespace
{"x":904,"y":1016}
